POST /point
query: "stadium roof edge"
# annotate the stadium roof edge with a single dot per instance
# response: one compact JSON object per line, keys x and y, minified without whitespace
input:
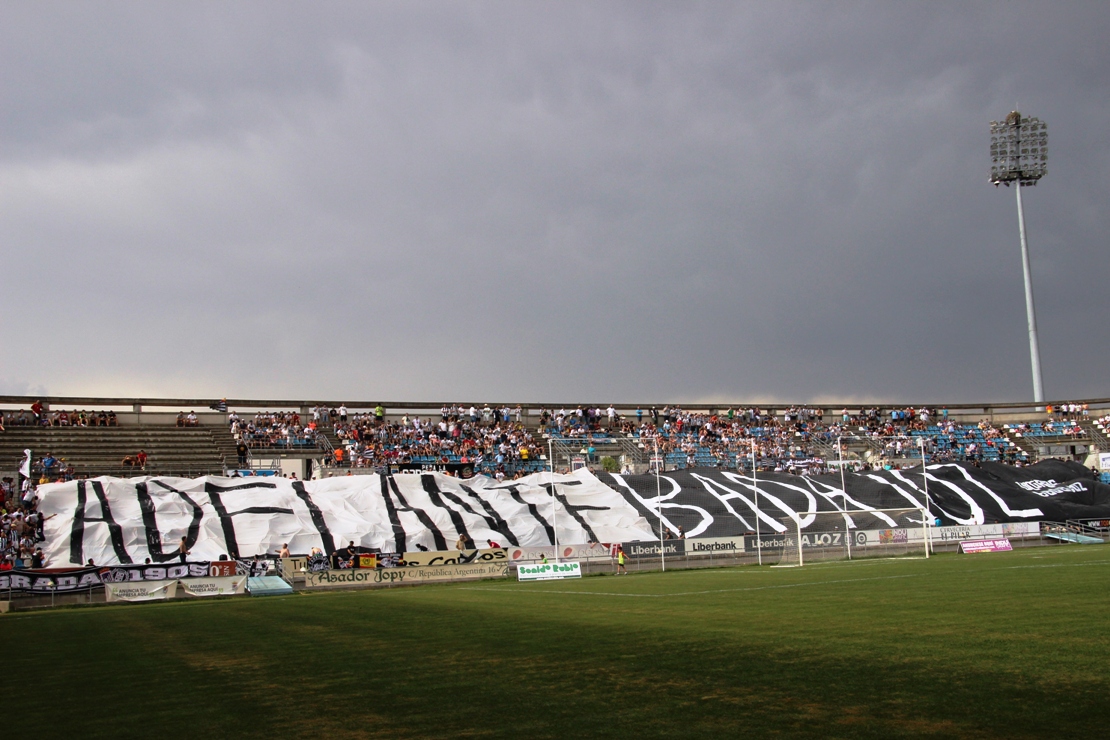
{"x":204,"y":403}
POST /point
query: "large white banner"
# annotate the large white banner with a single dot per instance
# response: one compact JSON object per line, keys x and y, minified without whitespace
{"x":113,"y":521}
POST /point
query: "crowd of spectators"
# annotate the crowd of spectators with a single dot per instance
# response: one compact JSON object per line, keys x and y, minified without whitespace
{"x":38,"y":416}
{"x":21,"y":527}
{"x":498,"y":439}
{"x":187,"y":420}
{"x":492,"y":440}
{"x":1068,"y":411}
{"x":272,"y":429}
{"x":799,"y":439}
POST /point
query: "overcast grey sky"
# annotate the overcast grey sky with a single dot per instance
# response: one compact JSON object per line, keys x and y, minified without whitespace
{"x":603,"y":201}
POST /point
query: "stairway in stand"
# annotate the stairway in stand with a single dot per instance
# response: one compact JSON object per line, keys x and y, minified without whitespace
{"x":94,"y":451}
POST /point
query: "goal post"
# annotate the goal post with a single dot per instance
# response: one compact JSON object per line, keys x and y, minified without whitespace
{"x":848,"y":535}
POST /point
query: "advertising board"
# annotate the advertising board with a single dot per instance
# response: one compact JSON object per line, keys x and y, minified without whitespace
{"x":593,"y":551}
{"x":651,"y":548}
{"x":353,"y":578}
{"x":714,"y":545}
{"x":455,"y":557}
{"x":864,"y":538}
{"x":219,"y":586}
{"x":140,"y":590}
{"x":1000,"y":544}
{"x":1104,"y":461}
{"x":223,"y":568}
{"x":548,"y":571}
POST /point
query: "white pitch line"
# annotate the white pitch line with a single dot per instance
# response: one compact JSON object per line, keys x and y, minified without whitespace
{"x":699,"y":593}
{"x":765,"y":588}
{"x":1052,"y":565}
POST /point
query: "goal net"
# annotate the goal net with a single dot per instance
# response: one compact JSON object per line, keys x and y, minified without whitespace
{"x":838,"y":535}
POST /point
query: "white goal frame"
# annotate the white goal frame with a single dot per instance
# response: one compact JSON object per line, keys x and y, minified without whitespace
{"x":793,"y":554}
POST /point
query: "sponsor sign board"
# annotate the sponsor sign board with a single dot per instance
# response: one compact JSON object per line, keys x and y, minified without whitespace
{"x":410,"y":574}
{"x":1104,"y":461}
{"x":548,"y":571}
{"x":443,"y":573}
{"x":223,"y":568}
{"x":459,"y":470}
{"x":345,"y":578}
{"x":292,"y":566}
{"x":1012,"y":529}
{"x":595,"y":551}
{"x":767,"y":542}
{"x":870,"y":537}
{"x":714,"y":545}
{"x":651,"y":548}
{"x":218,"y":586}
{"x":140,"y":591}
{"x":455,"y":557}
{"x":1000,"y":544}
{"x":771,"y":541}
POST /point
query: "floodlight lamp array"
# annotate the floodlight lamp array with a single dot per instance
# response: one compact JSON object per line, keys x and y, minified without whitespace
{"x":1019,"y":150}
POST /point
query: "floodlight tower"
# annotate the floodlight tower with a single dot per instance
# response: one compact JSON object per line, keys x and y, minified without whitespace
{"x":1019,"y":155}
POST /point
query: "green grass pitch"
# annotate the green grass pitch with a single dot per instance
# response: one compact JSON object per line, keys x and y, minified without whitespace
{"x":1000,"y":645}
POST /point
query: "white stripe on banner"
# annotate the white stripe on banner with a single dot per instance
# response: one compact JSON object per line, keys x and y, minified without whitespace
{"x":140,"y":591}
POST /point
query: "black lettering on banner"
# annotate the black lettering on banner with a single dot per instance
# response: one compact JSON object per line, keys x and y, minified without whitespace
{"x":430,"y":488}
{"x":77,"y":531}
{"x":437,"y":536}
{"x":493,"y":519}
{"x":150,"y":522}
{"x":74,"y":579}
{"x":533,"y":511}
{"x":226,"y":522}
{"x":317,"y":517}
{"x":394,"y":519}
{"x":640,"y":508}
{"x":573,"y":509}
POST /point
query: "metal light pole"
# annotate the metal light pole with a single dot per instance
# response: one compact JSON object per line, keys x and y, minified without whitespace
{"x":844,"y":497}
{"x":755,"y":485}
{"x":659,"y":510}
{"x":928,"y":503}
{"x":1019,"y":155}
{"x":554,"y":521}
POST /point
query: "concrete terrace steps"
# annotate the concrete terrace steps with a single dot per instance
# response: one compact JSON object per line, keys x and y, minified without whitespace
{"x":100,"y":450}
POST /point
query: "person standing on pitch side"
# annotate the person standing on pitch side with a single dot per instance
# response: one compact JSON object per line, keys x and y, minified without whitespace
{"x":620,"y":561}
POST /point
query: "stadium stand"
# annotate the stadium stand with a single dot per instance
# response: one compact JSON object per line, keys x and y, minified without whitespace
{"x":90,"y":451}
{"x":505,"y":440}
{"x":126,"y":437}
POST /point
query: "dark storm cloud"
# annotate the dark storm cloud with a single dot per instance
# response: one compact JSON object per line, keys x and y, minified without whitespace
{"x":625,"y":201}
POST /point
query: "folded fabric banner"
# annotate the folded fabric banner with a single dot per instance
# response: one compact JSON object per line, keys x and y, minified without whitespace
{"x":126,"y":521}
{"x":78,"y":579}
{"x":422,"y":515}
{"x":710,"y":502}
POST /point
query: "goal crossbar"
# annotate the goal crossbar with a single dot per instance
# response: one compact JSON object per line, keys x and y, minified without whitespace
{"x":847,"y":535}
